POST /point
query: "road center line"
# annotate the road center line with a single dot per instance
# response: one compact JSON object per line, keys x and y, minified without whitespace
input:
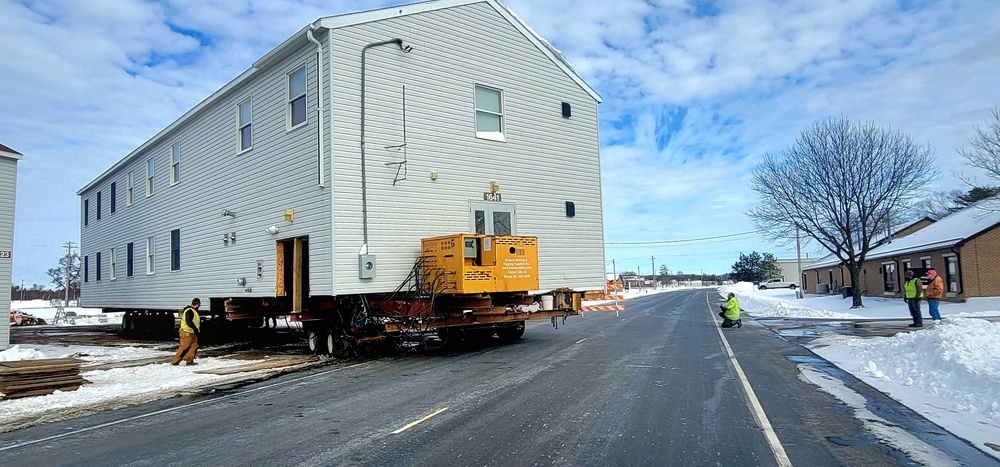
{"x":752,"y":402}
{"x":419,"y":421}
{"x":173,"y":409}
{"x":581,"y":340}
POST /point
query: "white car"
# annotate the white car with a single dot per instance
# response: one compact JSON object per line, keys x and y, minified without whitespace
{"x":777,"y":284}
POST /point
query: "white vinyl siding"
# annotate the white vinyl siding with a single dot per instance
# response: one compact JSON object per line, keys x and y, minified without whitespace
{"x":297,"y":98}
{"x":8,"y":182}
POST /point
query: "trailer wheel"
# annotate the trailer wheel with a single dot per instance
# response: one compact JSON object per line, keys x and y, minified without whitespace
{"x":512,"y":332}
{"x":337,"y":344}
{"x":313,"y":341}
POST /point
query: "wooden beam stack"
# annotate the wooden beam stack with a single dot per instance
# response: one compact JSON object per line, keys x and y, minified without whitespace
{"x":24,"y":378}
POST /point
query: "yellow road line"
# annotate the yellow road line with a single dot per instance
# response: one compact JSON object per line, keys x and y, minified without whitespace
{"x":415,"y":423}
{"x":581,"y":340}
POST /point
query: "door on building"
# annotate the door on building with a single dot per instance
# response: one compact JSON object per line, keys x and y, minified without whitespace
{"x":493,"y":218}
{"x":292,"y":272}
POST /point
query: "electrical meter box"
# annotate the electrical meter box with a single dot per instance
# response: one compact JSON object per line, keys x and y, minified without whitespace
{"x":475,"y":263}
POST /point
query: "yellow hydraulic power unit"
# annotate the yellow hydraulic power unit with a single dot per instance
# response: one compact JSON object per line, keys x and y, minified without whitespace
{"x":475,"y":263}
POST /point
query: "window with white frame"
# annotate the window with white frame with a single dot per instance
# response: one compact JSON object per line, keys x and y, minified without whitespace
{"x":296,"y":83}
{"x":130,"y":189}
{"x":952,"y":278}
{"x":889,"y":277}
{"x":149,"y":177}
{"x":175,"y":163}
{"x":489,"y":113}
{"x":112,"y":272}
{"x":245,"y":111}
{"x":150,"y":255}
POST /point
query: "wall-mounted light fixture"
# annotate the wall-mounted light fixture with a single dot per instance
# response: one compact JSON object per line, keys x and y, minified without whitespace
{"x":273,"y":230}
{"x":434,"y":175}
{"x":289,"y":215}
{"x":494,"y":186}
{"x":228,"y":213}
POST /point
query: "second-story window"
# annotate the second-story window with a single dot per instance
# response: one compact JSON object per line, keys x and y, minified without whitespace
{"x":246,"y":124}
{"x":130,"y":189}
{"x":114,"y":197}
{"x":149,"y":177}
{"x":175,"y":163}
{"x":98,"y":206}
{"x":297,"y":97}
{"x":489,"y":113}
{"x":86,"y":212}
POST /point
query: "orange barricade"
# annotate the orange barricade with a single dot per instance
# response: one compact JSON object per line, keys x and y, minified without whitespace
{"x":612,"y":291}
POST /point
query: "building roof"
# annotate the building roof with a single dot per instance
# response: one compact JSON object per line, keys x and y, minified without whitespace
{"x":6,"y":151}
{"x":339,"y":21}
{"x":950,"y":231}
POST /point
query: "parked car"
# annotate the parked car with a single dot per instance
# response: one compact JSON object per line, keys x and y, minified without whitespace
{"x":777,"y":283}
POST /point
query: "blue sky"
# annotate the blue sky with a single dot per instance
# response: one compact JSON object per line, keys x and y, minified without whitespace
{"x":695,"y":92}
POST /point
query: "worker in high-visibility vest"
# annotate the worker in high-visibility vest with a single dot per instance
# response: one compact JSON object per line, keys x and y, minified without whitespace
{"x":731,"y":312}
{"x":190,"y":328}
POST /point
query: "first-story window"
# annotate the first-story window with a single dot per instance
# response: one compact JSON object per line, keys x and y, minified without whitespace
{"x":150,"y":255}
{"x":489,"y":113}
{"x":112,"y":273}
{"x":889,"y":277}
{"x":86,"y":268}
{"x":97,"y":270}
{"x":175,"y":249}
{"x":952,"y":279}
{"x":129,"y":259}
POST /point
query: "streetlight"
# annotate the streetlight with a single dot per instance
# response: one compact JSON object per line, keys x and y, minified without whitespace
{"x":22,"y":290}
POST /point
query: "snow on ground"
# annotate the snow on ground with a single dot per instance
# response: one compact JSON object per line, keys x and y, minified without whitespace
{"x":948,"y":372}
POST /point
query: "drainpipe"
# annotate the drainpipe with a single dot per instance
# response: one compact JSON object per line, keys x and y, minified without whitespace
{"x":364,"y":182}
{"x":319,"y":101}
{"x":958,"y":264}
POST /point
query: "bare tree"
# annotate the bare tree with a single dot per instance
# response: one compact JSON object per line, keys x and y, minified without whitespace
{"x":840,"y":184}
{"x":985,"y":151}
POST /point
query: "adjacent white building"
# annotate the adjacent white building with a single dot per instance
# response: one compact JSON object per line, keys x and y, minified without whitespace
{"x":8,"y":184}
{"x":318,"y":170}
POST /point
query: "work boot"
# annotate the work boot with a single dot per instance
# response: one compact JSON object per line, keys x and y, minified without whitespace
{"x":916,"y":325}
{"x":191,"y":363}
{"x":175,"y":363}
{"x":739,"y":323}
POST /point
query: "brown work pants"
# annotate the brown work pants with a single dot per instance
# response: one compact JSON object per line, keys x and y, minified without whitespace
{"x":189,"y":344}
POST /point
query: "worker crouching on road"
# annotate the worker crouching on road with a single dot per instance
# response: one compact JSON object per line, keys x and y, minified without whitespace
{"x":731,"y":312}
{"x":190,"y":327}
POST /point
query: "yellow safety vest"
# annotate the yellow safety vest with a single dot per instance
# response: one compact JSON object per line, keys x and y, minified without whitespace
{"x":911,"y":288}
{"x":194,"y":318}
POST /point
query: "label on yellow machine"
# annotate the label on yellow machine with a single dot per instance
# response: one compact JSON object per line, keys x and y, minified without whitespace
{"x":476,"y":263}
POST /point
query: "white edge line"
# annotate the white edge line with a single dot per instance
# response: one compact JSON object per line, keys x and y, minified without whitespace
{"x":752,"y":402}
{"x":171,"y":409}
{"x":419,"y":421}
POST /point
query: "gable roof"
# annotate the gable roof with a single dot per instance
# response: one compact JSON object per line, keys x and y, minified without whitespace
{"x":338,"y":21}
{"x":6,"y":151}
{"x":950,"y":231}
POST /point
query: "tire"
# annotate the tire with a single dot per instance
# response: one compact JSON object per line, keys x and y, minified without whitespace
{"x":763,"y":287}
{"x":512,"y":332}
{"x":337,"y":344}
{"x":791,"y":286}
{"x":313,"y":341}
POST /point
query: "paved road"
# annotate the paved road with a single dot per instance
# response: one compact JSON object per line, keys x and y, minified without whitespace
{"x":655,"y":387}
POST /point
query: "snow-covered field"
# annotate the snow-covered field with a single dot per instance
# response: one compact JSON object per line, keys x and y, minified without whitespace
{"x":949,"y":371}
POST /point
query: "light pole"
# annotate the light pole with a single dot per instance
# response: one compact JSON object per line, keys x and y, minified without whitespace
{"x":22,"y":290}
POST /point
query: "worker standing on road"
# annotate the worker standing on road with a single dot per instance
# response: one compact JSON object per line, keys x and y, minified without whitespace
{"x":190,"y":327}
{"x":912,"y":292}
{"x":731,"y":312}
{"x":934,"y":292}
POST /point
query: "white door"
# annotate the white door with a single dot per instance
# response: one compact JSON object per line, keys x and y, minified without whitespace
{"x":492,"y":218}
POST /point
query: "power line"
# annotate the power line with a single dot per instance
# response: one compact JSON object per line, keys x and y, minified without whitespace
{"x":656,"y":242}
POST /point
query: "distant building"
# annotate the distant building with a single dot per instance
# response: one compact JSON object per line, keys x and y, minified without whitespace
{"x":790,"y":268}
{"x":8,"y":182}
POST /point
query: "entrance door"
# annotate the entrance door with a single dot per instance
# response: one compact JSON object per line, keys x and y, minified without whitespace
{"x":292,"y":271}
{"x":493,"y":218}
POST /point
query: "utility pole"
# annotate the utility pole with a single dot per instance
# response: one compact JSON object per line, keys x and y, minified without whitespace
{"x":22,"y":290}
{"x":798,"y":256}
{"x":69,"y":264}
{"x":652,"y":265}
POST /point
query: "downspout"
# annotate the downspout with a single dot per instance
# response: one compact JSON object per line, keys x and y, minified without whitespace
{"x":364,"y":181}
{"x":961,"y":278}
{"x":319,"y":102}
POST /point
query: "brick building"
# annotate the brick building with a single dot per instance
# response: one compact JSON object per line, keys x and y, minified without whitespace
{"x":963,"y":247}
